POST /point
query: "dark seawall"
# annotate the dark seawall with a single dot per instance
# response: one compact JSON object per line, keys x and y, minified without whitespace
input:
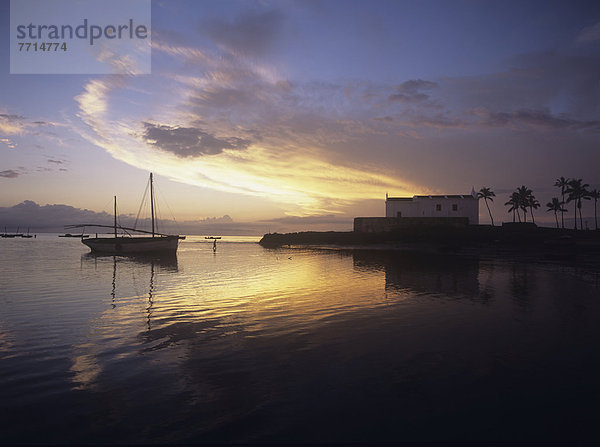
{"x":510,"y":236}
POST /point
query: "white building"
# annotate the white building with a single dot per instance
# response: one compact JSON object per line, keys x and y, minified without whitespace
{"x":434,"y":206}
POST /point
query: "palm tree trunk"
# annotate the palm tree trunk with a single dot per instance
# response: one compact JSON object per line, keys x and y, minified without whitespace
{"x":488,"y":207}
{"x":595,"y":212}
{"x":556,"y":218}
{"x":562,"y":211}
{"x":532,"y":217}
{"x":580,"y":218}
{"x":575,"y":207}
{"x":519,"y":215}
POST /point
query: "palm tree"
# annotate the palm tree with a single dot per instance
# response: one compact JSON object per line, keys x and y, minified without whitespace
{"x":555,"y":206}
{"x":524,"y":194}
{"x":595,"y":194}
{"x":562,"y":183}
{"x":577,"y":192}
{"x":514,"y":205}
{"x":533,"y":205}
{"x":487,"y":194}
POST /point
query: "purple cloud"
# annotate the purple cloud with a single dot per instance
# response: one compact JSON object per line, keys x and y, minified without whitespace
{"x":251,"y":33}
{"x":9,"y":174}
{"x":189,"y":141}
{"x":542,"y":119}
{"x":412,"y":91}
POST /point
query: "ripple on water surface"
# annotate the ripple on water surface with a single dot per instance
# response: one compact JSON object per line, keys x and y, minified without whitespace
{"x":249,"y":344}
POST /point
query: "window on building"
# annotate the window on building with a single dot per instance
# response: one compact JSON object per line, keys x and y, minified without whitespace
{"x":454,"y":207}
{"x":438,"y":207}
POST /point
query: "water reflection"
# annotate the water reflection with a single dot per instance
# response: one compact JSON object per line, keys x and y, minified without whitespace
{"x":258,"y":345}
{"x":5,"y":340}
{"x":522,"y":282}
{"x":419,"y":273}
{"x":164,"y":262}
{"x":133,"y":290}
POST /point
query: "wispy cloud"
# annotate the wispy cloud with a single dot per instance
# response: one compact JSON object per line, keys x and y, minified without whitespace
{"x":589,"y":34}
{"x":412,"y":91}
{"x":16,"y":125}
{"x":9,"y":173}
{"x":12,"y":124}
{"x":252,"y":33}
{"x":310,"y":220}
{"x":540,"y":119}
{"x":93,"y":100}
{"x":10,"y":143}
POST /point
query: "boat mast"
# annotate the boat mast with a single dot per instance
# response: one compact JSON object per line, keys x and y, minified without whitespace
{"x":115,"y":218}
{"x":152,"y":202}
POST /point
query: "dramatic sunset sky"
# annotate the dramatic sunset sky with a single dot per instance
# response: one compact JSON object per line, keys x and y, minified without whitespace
{"x":288,"y":114}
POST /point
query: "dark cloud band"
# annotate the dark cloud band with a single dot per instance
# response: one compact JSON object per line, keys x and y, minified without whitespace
{"x":189,"y":141}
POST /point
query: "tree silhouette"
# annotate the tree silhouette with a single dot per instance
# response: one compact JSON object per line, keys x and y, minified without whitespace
{"x":514,"y":205}
{"x":534,"y":204}
{"x":556,"y":206}
{"x":562,"y":183}
{"x":486,"y":194}
{"x":524,"y":195}
{"x":577,"y":192}
{"x":595,"y":194}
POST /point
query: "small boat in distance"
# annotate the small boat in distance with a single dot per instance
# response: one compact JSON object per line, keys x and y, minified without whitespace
{"x":12,"y":235}
{"x":127,"y":244}
{"x":73,"y":235}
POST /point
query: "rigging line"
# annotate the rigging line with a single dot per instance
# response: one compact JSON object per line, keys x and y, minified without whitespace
{"x":144,"y":198}
{"x":108,"y":206}
{"x":119,"y":224}
{"x":172,"y":215}
{"x":142,"y":221}
{"x":157,"y":212}
{"x":124,"y":230}
{"x":147,"y":214}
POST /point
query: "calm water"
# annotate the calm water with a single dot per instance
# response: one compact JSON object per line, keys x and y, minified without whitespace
{"x":253,"y":345}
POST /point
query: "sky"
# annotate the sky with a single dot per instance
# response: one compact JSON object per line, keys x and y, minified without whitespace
{"x":300,"y":115}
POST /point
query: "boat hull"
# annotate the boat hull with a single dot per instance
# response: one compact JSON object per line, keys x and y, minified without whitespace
{"x":133,"y":245}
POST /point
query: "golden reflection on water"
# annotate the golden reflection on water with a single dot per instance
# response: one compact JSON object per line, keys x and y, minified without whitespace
{"x":117,"y":327}
{"x":284,"y":283}
{"x":85,"y":366}
{"x":5,"y":342}
{"x":262,"y":289}
{"x":244,"y":290}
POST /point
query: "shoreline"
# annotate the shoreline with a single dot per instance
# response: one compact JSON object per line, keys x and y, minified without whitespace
{"x":520,"y":240}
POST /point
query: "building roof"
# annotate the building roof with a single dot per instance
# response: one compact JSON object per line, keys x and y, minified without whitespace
{"x":446,"y":196}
